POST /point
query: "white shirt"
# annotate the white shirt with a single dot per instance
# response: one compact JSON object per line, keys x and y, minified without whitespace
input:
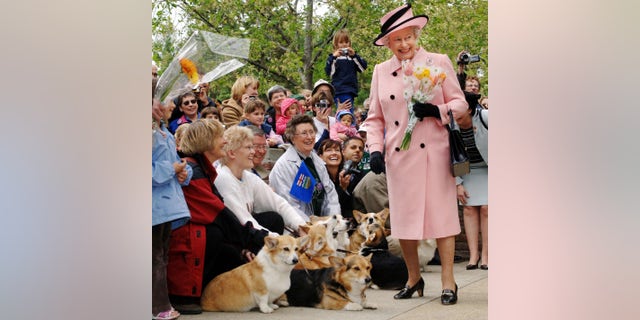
{"x":252,"y":195}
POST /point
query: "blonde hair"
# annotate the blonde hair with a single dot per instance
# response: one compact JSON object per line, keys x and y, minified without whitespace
{"x":235,"y":137}
{"x":180,"y":132}
{"x":240,"y":87}
{"x":341,"y":35}
{"x":200,"y":136}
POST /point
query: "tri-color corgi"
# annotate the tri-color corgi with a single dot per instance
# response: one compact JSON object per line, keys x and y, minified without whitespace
{"x":257,"y":283}
{"x":341,"y":287}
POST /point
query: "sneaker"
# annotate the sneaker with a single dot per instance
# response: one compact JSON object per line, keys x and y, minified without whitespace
{"x":167,"y":315}
{"x":188,"y":308}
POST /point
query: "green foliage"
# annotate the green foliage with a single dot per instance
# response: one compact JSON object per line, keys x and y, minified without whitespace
{"x":277,"y":30}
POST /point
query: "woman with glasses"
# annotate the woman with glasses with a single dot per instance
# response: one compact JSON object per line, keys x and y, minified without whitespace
{"x":250,"y":198}
{"x":301,"y":131}
{"x":187,"y":104}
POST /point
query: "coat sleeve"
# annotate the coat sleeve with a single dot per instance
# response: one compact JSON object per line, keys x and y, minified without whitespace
{"x":280,"y":180}
{"x":281,"y":125}
{"x":375,"y":118}
{"x":453,"y":95}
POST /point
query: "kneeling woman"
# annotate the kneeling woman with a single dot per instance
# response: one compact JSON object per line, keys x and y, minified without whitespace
{"x":213,"y":241}
{"x":246,"y":194}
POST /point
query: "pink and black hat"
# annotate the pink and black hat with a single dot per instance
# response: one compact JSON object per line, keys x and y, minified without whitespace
{"x":399,"y":18}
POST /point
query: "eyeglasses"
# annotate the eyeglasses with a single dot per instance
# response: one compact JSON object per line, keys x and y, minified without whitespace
{"x":260,"y":146}
{"x":310,"y":133}
{"x":186,"y":102}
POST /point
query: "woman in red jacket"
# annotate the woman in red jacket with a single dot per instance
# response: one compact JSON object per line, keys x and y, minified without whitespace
{"x":213,"y":241}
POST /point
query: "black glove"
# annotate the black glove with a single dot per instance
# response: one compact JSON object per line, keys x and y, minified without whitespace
{"x":472,"y":98}
{"x":377,"y":162}
{"x":426,"y":109}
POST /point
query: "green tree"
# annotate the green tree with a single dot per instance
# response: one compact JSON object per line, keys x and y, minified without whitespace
{"x":291,"y":39}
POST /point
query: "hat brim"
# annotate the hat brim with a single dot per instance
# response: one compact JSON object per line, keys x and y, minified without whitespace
{"x":333,"y":90}
{"x":415,"y":21}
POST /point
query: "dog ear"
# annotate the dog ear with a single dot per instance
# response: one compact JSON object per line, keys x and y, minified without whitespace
{"x":384,"y":214}
{"x":387,"y":232}
{"x":270,"y":242}
{"x":357,"y":215}
{"x":337,"y":262}
{"x":368,"y":257}
{"x":303,"y":243}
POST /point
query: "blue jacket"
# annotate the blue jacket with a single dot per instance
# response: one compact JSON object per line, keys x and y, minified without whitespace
{"x":343,"y":72}
{"x":264,"y":126}
{"x":168,"y":199}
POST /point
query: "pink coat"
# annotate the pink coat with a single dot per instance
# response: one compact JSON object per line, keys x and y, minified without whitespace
{"x":422,"y":191}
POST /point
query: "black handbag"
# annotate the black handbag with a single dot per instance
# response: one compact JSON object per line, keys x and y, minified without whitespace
{"x":458,"y":151}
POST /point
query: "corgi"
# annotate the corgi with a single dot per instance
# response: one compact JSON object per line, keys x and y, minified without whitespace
{"x":426,"y":250}
{"x":257,"y":283}
{"x":314,"y":248}
{"x":389,"y":271}
{"x":341,"y":287}
{"x":337,"y":231}
{"x":370,"y":230}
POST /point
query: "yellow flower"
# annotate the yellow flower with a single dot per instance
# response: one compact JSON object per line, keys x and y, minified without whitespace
{"x":190,"y":69}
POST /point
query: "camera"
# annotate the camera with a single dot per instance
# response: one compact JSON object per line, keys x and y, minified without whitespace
{"x":349,"y":167}
{"x":253,"y":97}
{"x":323,"y":103}
{"x":466,"y":58}
{"x":363,"y":115}
{"x":344,"y":51}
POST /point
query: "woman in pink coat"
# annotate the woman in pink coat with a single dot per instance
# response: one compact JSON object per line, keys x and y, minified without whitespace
{"x":422,"y":191}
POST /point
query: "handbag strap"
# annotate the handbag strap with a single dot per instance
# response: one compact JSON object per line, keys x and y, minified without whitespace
{"x":482,"y":120}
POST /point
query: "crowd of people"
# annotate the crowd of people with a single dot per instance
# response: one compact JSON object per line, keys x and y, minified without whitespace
{"x":215,"y":197}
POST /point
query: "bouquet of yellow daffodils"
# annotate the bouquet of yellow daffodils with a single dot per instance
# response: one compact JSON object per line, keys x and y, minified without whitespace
{"x":419,"y":81}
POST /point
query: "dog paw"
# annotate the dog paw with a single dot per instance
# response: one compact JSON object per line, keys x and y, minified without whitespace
{"x":274,"y":306}
{"x":282,"y":303}
{"x":352,"y":306}
{"x":374,"y":287}
{"x":370,"y":306}
{"x":266,"y":309}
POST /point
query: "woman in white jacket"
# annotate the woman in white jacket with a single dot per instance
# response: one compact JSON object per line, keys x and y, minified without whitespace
{"x":248,"y":196}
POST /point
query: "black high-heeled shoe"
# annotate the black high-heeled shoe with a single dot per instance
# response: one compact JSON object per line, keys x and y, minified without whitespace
{"x":473,"y":266}
{"x":449,"y":297}
{"x":407,"y":291}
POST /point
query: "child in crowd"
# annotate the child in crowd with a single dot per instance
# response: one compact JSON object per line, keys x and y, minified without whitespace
{"x":169,"y":211}
{"x":343,"y":66}
{"x":344,"y":127}
{"x":288,"y":108}
{"x":210,"y":113}
{"x":254,"y":110}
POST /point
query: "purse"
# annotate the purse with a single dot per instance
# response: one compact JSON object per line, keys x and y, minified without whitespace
{"x":458,"y":151}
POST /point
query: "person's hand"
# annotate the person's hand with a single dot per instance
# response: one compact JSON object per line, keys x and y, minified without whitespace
{"x":337,"y":53}
{"x":323,"y":115}
{"x":157,"y":111}
{"x":181,"y":170}
{"x":272,"y":142}
{"x":345,"y":179}
{"x":426,"y":109}
{"x":344,"y":105}
{"x":377,"y":162}
{"x":463,"y":195}
{"x":351,"y":52}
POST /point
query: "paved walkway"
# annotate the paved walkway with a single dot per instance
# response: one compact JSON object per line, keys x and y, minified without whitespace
{"x":472,"y":303}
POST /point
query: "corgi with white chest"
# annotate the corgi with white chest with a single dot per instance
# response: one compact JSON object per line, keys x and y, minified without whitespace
{"x":257,"y":283}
